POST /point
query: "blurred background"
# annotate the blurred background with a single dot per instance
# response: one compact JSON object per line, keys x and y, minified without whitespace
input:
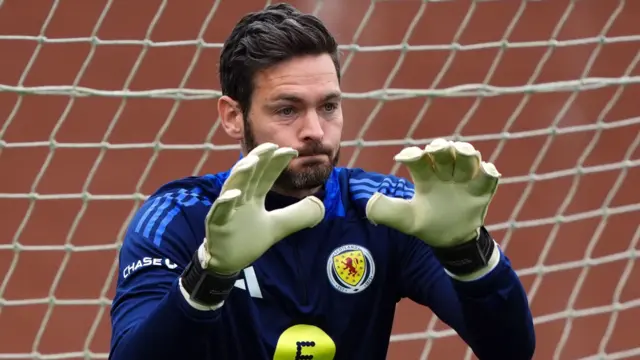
{"x":103,"y":101}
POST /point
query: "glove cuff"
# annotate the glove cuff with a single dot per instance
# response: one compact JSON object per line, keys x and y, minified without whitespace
{"x":468,"y":257}
{"x":206,"y":287}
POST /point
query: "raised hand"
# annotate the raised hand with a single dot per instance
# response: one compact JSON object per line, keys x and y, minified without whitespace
{"x":453,"y":189}
{"x":239,"y":229}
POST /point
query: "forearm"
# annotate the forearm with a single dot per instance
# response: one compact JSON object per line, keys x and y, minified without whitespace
{"x":174,"y":329}
{"x":497,"y":320}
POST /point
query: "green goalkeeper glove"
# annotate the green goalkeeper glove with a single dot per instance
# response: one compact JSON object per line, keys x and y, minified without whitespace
{"x":238,"y":227}
{"x":453,"y":189}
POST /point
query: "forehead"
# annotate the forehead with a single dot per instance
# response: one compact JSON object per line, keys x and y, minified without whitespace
{"x":304,"y":76}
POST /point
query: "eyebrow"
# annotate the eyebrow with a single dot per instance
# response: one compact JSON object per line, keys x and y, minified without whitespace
{"x":296,"y":99}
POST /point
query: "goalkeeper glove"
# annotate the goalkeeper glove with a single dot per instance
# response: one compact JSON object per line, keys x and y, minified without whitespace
{"x":238,"y":227}
{"x":453,"y":189}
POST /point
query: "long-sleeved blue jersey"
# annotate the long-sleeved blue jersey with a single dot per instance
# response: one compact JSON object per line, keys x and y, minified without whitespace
{"x":328,"y":292}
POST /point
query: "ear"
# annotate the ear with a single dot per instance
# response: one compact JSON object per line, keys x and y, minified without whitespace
{"x":231,"y":117}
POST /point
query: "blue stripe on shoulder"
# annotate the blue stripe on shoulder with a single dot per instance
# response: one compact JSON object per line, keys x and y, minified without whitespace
{"x":164,"y":209}
{"x":365,"y":187}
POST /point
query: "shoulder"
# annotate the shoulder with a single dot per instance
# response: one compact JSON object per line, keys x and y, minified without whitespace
{"x":204,"y":188}
{"x":363,"y":184}
{"x":176,"y":209}
{"x":358,"y":185}
{"x":191,"y":191}
{"x":193,"y":194}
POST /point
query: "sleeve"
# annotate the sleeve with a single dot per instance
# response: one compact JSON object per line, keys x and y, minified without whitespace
{"x":149,"y":316}
{"x":491,"y":314}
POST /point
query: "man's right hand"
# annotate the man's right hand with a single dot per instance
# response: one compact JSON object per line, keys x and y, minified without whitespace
{"x":238,"y":227}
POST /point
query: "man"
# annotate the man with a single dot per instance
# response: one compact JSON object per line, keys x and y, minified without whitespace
{"x":287,"y":256}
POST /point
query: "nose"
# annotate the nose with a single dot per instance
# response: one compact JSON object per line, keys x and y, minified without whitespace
{"x":311,"y":127}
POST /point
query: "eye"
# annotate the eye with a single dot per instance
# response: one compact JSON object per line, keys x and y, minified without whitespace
{"x":329,"y":107}
{"x":287,"y":111}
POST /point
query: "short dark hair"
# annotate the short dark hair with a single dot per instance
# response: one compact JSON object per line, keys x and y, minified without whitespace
{"x":265,"y":38}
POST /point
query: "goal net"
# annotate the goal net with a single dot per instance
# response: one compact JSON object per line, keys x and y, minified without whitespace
{"x":103,"y":101}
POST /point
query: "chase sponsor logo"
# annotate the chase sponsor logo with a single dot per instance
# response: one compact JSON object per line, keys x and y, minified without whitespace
{"x":146,"y":262}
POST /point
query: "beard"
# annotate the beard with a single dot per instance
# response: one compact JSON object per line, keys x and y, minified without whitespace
{"x":311,"y":175}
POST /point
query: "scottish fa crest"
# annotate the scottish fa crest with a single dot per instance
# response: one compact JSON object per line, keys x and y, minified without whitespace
{"x":350,"y":269}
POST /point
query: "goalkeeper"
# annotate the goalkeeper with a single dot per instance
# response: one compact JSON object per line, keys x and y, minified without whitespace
{"x":287,"y":256}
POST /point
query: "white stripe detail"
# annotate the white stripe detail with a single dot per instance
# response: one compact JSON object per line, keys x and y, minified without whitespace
{"x":252,"y":282}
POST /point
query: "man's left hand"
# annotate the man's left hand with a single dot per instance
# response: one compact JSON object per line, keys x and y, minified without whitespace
{"x":453,"y":189}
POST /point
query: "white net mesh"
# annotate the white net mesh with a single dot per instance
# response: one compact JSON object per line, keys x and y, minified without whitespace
{"x":103,"y":101}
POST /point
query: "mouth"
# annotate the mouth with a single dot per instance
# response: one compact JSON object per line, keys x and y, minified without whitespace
{"x":311,"y":156}
{"x":316,"y":158}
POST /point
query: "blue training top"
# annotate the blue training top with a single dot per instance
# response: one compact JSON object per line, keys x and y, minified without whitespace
{"x":323,"y":293}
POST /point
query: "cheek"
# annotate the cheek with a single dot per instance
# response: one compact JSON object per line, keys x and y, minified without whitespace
{"x":279,"y":135}
{"x":262,"y":129}
{"x":333,"y":133}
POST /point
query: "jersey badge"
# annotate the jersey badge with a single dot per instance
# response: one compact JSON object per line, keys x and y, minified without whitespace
{"x":350,"y":268}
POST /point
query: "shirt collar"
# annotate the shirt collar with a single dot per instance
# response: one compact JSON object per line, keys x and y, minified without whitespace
{"x":330,"y":194}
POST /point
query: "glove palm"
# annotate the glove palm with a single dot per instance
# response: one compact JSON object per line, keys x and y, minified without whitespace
{"x":238,"y":227}
{"x":453,"y":189}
